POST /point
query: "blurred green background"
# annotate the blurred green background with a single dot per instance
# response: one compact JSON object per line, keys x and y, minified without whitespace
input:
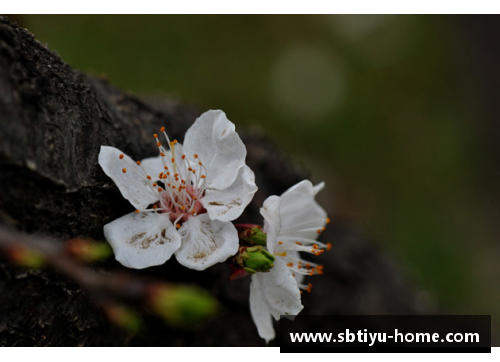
{"x":388,"y":110}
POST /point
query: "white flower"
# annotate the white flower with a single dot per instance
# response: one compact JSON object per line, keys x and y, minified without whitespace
{"x":185,"y":198}
{"x":292,"y":223}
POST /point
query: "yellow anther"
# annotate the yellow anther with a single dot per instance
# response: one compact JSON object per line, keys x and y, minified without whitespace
{"x":124,"y":170}
{"x":280,"y":254}
{"x":155,"y":207}
{"x":328,"y":246}
{"x":138,"y":163}
{"x":159,"y":144}
{"x":148,"y":177}
{"x":165,"y":167}
{"x":203,"y":176}
{"x":199,"y":163}
{"x":162,"y":129}
{"x":162,"y":154}
{"x":327,"y":220}
{"x":155,"y":135}
{"x":178,"y":226}
{"x":183,"y":157}
{"x":298,"y":243}
{"x":121,"y":156}
{"x":289,"y":265}
{"x":137,"y":211}
{"x":280,"y":242}
{"x":195,"y":155}
{"x":173,"y":160}
{"x":154,"y":184}
{"x":183,"y":208}
{"x":160,"y":189}
{"x":318,"y":231}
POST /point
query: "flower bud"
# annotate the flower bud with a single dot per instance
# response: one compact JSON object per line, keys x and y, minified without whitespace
{"x":251,"y":234}
{"x":254,"y":259}
{"x":182,"y":305}
{"x":27,"y":257}
{"x":89,"y":250}
{"x":123,"y":317}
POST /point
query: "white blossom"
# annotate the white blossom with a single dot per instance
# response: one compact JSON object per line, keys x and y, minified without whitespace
{"x":184,"y":199}
{"x":292,"y":222}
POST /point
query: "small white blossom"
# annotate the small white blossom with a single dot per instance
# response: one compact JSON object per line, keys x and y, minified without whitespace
{"x":292,"y":223}
{"x":185,"y":198}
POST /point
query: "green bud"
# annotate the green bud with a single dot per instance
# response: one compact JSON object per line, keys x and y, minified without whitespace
{"x":183,"y":305}
{"x":89,"y":250}
{"x":255,"y":259}
{"x":123,"y":317}
{"x":252,"y":234}
{"x":28,"y":257}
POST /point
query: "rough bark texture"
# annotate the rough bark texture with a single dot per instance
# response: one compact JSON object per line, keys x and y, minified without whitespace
{"x":53,"y":120}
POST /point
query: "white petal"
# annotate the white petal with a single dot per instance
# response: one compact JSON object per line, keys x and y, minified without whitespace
{"x":293,"y":256}
{"x":260,"y":312}
{"x":153,"y":166}
{"x":133,"y":184}
{"x":301,"y":215}
{"x":279,"y":290}
{"x":214,"y":139}
{"x":206,"y":242}
{"x":318,"y":188}
{"x":272,"y":221}
{"x":142,"y":240}
{"x":228,"y":204}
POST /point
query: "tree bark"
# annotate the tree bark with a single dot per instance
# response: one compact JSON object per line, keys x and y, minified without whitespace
{"x":53,"y":120}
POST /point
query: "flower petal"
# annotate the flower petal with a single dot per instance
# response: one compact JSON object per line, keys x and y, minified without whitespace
{"x":228,"y":204}
{"x":272,"y":221}
{"x":133,"y":183}
{"x":260,"y":312}
{"x":279,"y":290}
{"x":206,"y":242}
{"x":214,"y":139}
{"x":300,"y":214}
{"x":153,"y":166}
{"x":142,"y":240}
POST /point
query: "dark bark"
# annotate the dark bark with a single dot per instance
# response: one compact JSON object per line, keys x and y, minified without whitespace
{"x":53,"y":120}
